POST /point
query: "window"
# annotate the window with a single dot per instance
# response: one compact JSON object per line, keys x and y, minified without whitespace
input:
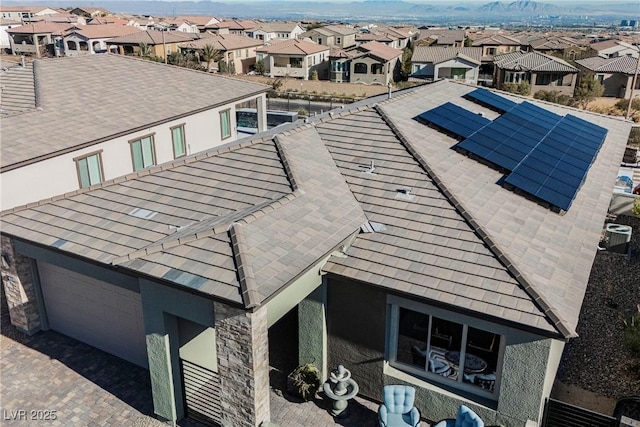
{"x":295,"y":62}
{"x":338,"y":40}
{"x":600,"y":78}
{"x":360,"y":68}
{"x":514,"y":77}
{"x":319,"y":40}
{"x":549,"y":79}
{"x":143,"y":153}
{"x":491,"y":51}
{"x":179,"y":145}
{"x":376,"y":68}
{"x":238,"y":53}
{"x":246,"y":53}
{"x":89,"y":169}
{"x":444,"y":351}
{"x":225,"y":124}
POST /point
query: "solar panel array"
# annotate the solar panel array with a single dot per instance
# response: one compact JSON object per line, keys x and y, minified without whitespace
{"x":556,"y":168}
{"x":509,"y":138}
{"x":454,"y":119}
{"x":492,"y":100}
{"x":547,"y":155}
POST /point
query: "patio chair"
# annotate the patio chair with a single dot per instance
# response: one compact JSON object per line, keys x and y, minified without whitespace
{"x":397,"y":410}
{"x":465,"y":418}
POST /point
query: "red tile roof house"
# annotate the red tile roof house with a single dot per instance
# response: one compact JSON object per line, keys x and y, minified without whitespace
{"x":239,"y":51}
{"x":32,"y":39}
{"x":374,"y":63}
{"x":294,"y":58}
{"x":90,"y":39}
{"x":57,"y":136}
{"x":365,"y":223}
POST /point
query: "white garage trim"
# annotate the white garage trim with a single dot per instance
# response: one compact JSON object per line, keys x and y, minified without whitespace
{"x":95,"y":312}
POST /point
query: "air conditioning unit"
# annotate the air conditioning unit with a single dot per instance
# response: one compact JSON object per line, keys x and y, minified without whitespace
{"x":617,"y":238}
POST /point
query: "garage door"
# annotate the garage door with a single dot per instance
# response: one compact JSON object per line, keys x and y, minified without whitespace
{"x":95,"y":312}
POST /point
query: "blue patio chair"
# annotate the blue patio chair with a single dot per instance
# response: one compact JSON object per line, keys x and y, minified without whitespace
{"x":397,"y":410}
{"x":465,"y":418}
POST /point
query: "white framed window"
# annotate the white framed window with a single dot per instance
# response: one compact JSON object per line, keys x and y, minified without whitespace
{"x":143,"y":153}
{"x":179,"y":143}
{"x":89,"y":168}
{"x":515,"y":76}
{"x":225,"y":124}
{"x":444,"y":348}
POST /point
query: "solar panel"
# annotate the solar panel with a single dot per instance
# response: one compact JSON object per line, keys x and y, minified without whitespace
{"x":509,"y":138}
{"x":556,"y":168}
{"x":490,"y":99}
{"x":454,"y":119}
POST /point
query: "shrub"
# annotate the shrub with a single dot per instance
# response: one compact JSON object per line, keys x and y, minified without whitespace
{"x":306,"y":380}
{"x":623,"y":104}
{"x":314,"y":75}
{"x":554,"y":96}
{"x":522,"y":88}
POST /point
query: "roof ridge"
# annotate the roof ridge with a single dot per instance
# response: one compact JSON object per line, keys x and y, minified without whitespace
{"x":246,"y":276}
{"x":538,"y":299}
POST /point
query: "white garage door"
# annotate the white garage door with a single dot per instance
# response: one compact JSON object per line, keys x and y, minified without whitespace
{"x":95,"y":312}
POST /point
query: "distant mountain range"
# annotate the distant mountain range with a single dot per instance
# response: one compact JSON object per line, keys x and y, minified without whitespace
{"x":416,"y":12}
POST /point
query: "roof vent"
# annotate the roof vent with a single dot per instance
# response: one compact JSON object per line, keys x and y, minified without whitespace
{"x":369,"y":169}
{"x":142,"y":213}
{"x":404,"y":193}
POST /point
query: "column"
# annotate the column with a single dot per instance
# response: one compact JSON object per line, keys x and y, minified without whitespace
{"x":312,"y":330}
{"x":243,"y":365}
{"x":19,"y":288}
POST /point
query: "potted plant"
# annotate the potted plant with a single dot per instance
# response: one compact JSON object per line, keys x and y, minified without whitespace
{"x":304,"y":381}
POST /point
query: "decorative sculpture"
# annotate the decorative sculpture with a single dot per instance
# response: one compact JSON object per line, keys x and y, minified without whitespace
{"x":344,"y":389}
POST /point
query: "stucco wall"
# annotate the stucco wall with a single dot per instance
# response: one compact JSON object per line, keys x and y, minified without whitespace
{"x":357,"y":322}
{"x":58,"y":175}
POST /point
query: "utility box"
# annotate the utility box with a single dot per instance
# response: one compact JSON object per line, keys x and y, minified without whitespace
{"x":617,"y":238}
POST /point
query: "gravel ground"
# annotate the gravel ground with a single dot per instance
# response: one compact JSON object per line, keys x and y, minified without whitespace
{"x":597,"y":360}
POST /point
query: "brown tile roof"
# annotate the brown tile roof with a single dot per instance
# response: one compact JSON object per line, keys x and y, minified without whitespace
{"x":293,"y":47}
{"x":532,"y":61}
{"x":496,"y":40}
{"x":621,"y":64}
{"x":607,"y":44}
{"x":104,"y":31}
{"x":438,"y":54}
{"x":551,"y":254}
{"x":152,"y":37}
{"x":236,"y":223}
{"x":195,"y":19}
{"x":241,"y":222}
{"x":278,"y":27}
{"x":18,"y":89}
{"x":380,"y":50}
{"x":223,"y":42}
{"x":61,"y":97}
{"x":237,"y":25}
{"x":40,"y":28}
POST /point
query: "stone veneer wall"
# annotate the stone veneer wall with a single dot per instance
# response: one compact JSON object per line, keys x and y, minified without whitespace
{"x":19,"y":289}
{"x":242,"y":345}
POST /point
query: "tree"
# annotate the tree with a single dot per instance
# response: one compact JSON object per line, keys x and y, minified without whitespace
{"x":210,"y":54}
{"x":405,"y":70}
{"x":259,"y":67}
{"x":587,"y":91}
{"x":144,"y":50}
{"x":522,"y":88}
{"x":468,"y":42}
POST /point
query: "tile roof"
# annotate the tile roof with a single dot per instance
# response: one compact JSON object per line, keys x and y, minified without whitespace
{"x":532,"y":61}
{"x":278,"y":27}
{"x":18,"y":89}
{"x":293,"y":47}
{"x":60,"y":98}
{"x":547,"y":43}
{"x":223,"y":42}
{"x":153,"y":37}
{"x":104,"y":30}
{"x":199,"y":20}
{"x":550,"y":254}
{"x":237,"y":223}
{"x":496,"y":40}
{"x":380,"y":50}
{"x":607,"y":44}
{"x":242,"y":221}
{"x":438,"y":54}
{"x":236,"y":25}
{"x":622,"y":64}
{"x":442,"y":36}
{"x":40,"y":28}
{"x":341,"y":30}
{"x":379,"y":37}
